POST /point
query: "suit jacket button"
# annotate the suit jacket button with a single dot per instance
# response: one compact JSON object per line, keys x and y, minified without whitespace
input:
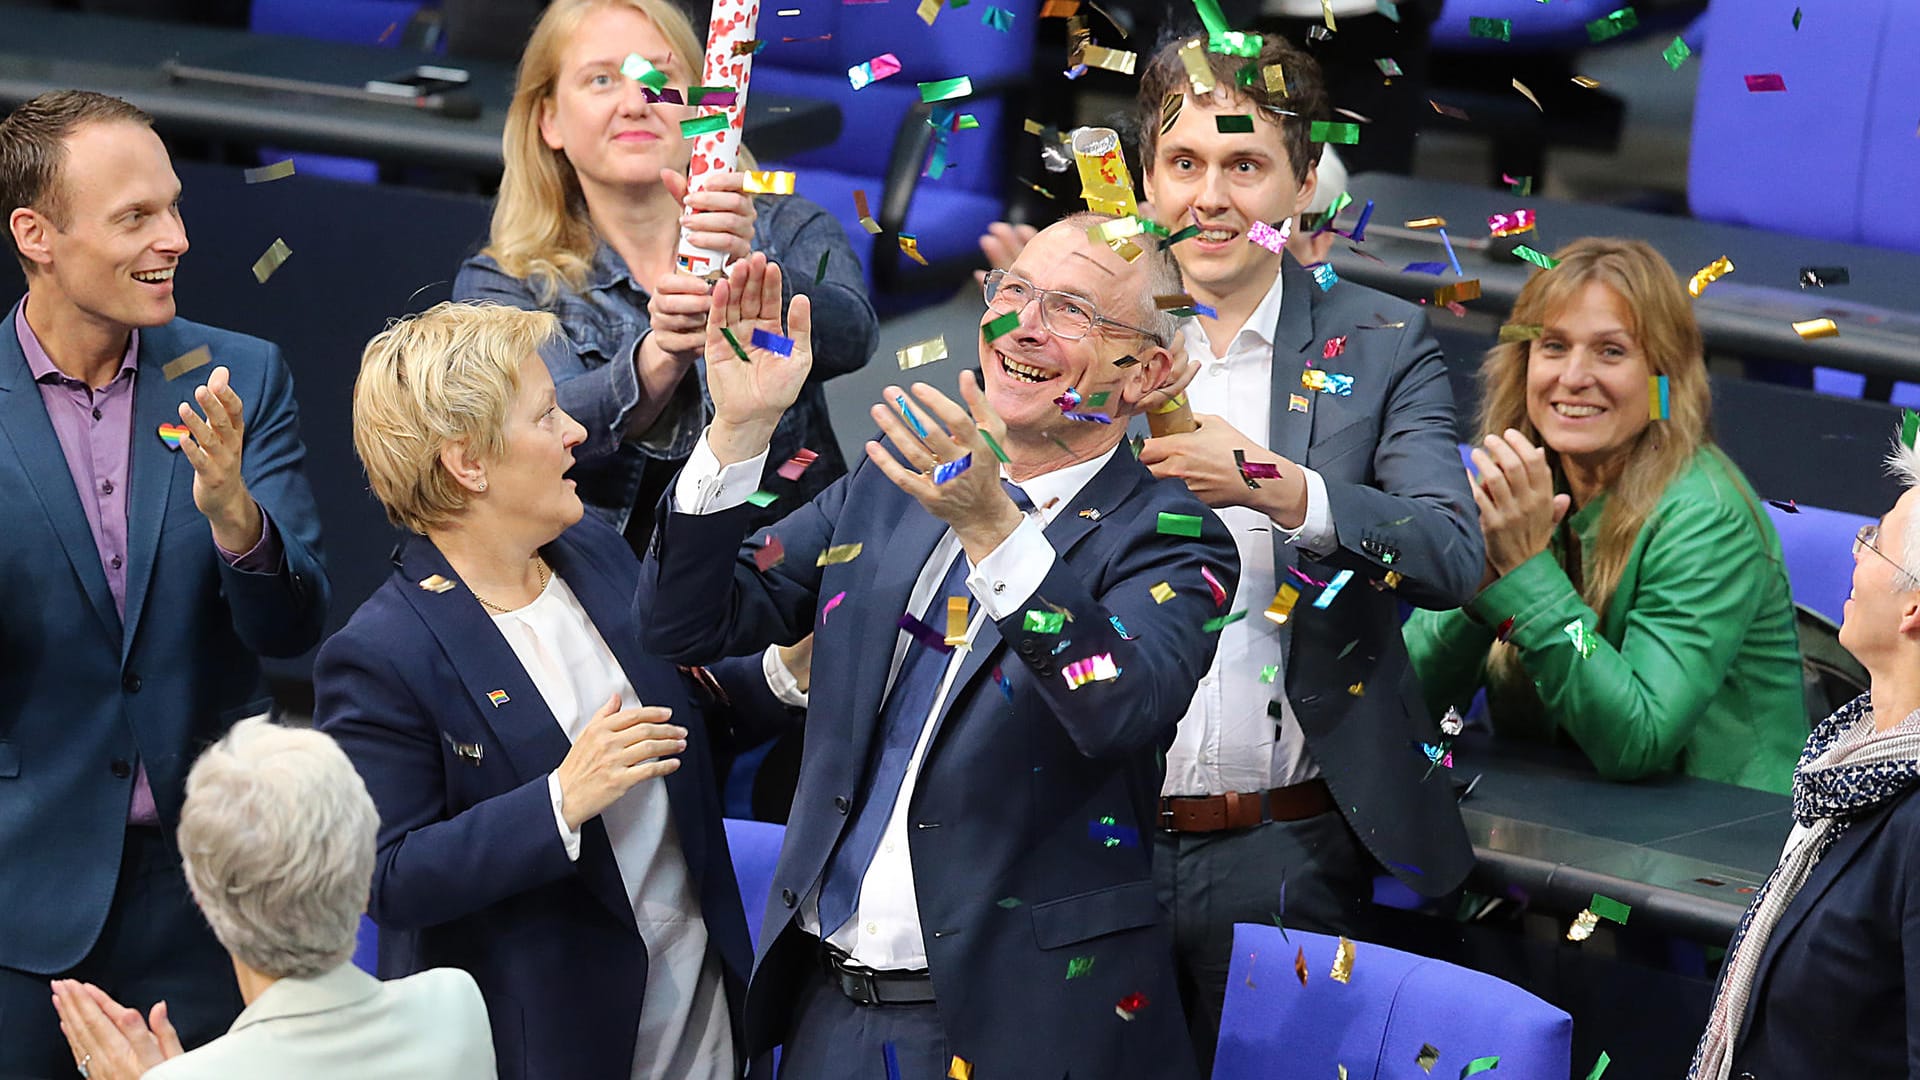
{"x":121,"y":770}
{"x":787,"y":897}
{"x":840,"y":803}
{"x":130,"y":683}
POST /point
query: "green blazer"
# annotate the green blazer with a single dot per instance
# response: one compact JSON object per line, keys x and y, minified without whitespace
{"x":1696,"y":666}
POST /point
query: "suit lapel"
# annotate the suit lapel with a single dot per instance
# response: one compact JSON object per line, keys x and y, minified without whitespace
{"x":1290,"y":433}
{"x":25,"y":426}
{"x":520,"y":720}
{"x":150,"y":471}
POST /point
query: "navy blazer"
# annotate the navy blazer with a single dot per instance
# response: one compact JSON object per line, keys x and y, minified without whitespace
{"x":471,"y":871}
{"x":1025,"y":781}
{"x":84,"y":692}
{"x":1400,"y":505}
{"x":1838,"y":988}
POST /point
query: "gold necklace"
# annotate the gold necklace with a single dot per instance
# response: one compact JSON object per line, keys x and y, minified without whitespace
{"x":540,"y":567}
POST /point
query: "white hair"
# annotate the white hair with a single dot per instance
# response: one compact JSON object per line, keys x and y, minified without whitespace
{"x":277,"y":838}
{"x":1163,"y":276}
{"x":1903,"y":462}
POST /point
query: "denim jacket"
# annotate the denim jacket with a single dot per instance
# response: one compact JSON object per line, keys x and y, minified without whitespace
{"x":604,"y":321}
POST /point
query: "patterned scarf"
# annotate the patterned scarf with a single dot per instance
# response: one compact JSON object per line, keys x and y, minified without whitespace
{"x":1839,"y":778}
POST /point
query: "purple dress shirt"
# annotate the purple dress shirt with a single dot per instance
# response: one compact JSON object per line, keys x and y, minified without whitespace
{"x":95,"y":429}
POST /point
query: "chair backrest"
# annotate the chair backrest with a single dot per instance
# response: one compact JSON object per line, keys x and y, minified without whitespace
{"x":755,"y":846}
{"x":1833,"y":155}
{"x":1817,"y":545}
{"x":1532,"y":25}
{"x":1829,"y":675}
{"x":1377,"y":1024}
{"x":363,"y":22}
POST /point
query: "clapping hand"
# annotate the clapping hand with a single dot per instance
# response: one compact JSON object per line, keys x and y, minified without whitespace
{"x":213,"y":447}
{"x":972,"y":502}
{"x":1518,"y":507}
{"x":110,"y":1041}
{"x":750,"y":395}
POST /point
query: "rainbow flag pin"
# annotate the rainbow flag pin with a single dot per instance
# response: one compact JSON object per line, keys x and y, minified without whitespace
{"x":498,"y":697}
{"x":171,"y":434}
{"x":1658,"y":405}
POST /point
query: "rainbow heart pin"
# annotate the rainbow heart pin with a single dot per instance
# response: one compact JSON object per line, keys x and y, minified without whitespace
{"x":171,"y":434}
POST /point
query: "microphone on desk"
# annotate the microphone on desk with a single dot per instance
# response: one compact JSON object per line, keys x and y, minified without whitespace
{"x":454,"y":104}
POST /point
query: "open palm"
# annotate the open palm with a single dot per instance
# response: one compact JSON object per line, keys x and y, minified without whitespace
{"x":758,"y":389}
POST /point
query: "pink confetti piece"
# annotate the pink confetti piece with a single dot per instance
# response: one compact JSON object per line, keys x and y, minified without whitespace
{"x":831,"y":604}
{"x":797,"y":464}
{"x":1269,"y":237}
{"x":1219,"y":592}
{"x":1262,"y":470}
{"x":1768,"y":83}
{"x":1334,"y":347}
{"x":1503,"y":224}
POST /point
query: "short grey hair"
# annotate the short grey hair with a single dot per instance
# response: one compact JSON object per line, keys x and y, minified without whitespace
{"x":277,"y":839}
{"x":1903,"y":462}
{"x":1163,"y":275}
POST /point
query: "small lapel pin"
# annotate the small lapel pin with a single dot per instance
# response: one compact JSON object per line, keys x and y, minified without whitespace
{"x":471,"y":753}
{"x":1091,"y":513}
{"x":498,"y":697}
{"x":171,"y":434}
{"x":434,"y":583}
{"x":1296,"y":403}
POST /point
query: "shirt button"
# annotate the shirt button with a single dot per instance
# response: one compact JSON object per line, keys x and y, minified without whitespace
{"x":114,"y":562}
{"x":888,"y":846}
{"x":120,"y":769}
{"x":106,"y":487}
{"x":96,"y":412}
{"x":840,"y":803}
{"x":872,"y":930}
{"x":787,"y":897}
{"x":999,"y":587}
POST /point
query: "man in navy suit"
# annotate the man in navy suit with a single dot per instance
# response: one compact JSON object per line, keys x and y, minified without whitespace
{"x":1000,"y":657}
{"x":151,"y":552}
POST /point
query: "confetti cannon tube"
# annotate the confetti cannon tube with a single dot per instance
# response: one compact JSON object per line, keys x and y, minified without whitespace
{"x":1175,"y":417}
{"x":1105,"y":182}
{"x":733,"y":23}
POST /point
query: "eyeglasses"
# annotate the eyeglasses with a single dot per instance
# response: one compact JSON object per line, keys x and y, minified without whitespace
{"x":1062,"y":313}
{"x":1868,"y":537}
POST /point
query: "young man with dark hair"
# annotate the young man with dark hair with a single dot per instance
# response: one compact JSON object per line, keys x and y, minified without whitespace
{"x":1297,"y":772}
{"x":159,"y":539}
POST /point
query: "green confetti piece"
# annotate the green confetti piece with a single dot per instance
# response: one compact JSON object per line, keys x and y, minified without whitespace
{"x":1235,"y":43}
{"x":820,"y":272}
{"x":702,"y":125}
{"x":1612,"y":25}
{"x":1096,"y":401}
{"x":967,"y":121}
{"x":1600,"y":1066}
{"x":1480,"y":1065}
{"x":1223,"y":621}
{"x":641,"y":70}
{"x":1676,"y":54}
{"x":1349,"y":648}
{"x":1187,"y":233}
{"x":1388,"y":8}
{"x":1909,"y":428}
{"x":1796,"y":26}
{"x":1539,"y":259}
{"x":1247,"y":74}
{"x":1233,"y":124}
{"x":1078,"y":966}
{"x":946,"y":89}
{"x":1329,"y":132}
{"x":1608,"y":908}
{"x":1008,"y":902}
{"x":762,"y":498}
{"x":994,"y":445}
{"x":1044,"y":622}
{"x":1495,"y":29}
{"x":735,"y":342}
{"x":1002,"y":324}
{"x":1269,"y":673}
{"x":699,"y":94}
{"x":1210,"y":16}
{"x":1178,"y":525}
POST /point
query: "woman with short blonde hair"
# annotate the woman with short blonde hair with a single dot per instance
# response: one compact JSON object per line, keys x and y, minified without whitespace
{"x":1634,"y":603}
{"x":592,"y":202}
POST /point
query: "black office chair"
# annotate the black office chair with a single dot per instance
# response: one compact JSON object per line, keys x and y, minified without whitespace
{"x":1830,"y":674}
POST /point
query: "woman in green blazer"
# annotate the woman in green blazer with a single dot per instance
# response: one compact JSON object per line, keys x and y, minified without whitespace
{"x":1634,"y":600}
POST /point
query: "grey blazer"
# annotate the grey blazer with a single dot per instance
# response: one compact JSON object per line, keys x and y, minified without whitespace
{"x":1400,"y":504}
{"x":346,"y":1023}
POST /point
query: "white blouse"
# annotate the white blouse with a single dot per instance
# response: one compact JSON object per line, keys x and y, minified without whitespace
{"x":685,"y":1031}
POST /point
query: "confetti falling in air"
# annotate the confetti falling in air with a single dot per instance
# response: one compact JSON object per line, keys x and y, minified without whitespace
{"x":832,"y":602}
{"x":1583,"y":926}
{"x":1161,"y":593}
{"x":1112,"y":834}
{"x":1326,"y":597}
{"x":763,"y":498}
{"x":1543,"y":261}
{"x":1479,"y":1065}
{"x":1334,"y":347}
{"x":771,"y":342}
{"x":1609,"y":909}
{"x":1824,"y":276}
{"x":1325,"y":276}
{"x":1342,"y":962}
{"x":738,"y":350}
{"x":1784,"y":505}
{"x":797,"y":464}
{"x":959,"y":1069}
{"x":892,"y":1059}
{"x":1816,"y":328}
{"x":838,"y":553}
{"x":1327,"y":382}
{"x":1300,"y":965}
{"x":1600,"y":1066}
{"x":279,"y":170}
{"x":1491,"y":29}
{"x":868,"y":72}
{"x":1219,"y":591}
{"x":1281,"y":609}
{"x":921,"y":353}
{"x":1770,"y":83}
{"x":1675,"y":54}
{"x":1098,"y":668}
{"x":1325,"y":131}
{"x":1515,"y":332}
{"x":1612,"y":25}
{"x":641,"y":70}
{"x":993,"y":444}
{"x":1269,"y":673}
{"x":1709,"y":274}
{"x":1427,"y":1058}
{"x":770,"y":554}
{"x":947,"y":470}
{"x":1265,"y":235}
{"x":1222,"y":622}
{"x":862,"y":212}
{"x":1233,"y":124}
{"x":1504,"y":224}
{"x":702,"y":125}
{"x":1002,"y":325}
{"x":946,"y":89}
{"x":1909,"y":429}
{"x":924,"y":634}
{"x":276,"y":256}
{"x":1527,"y":92}
{"x":1128,"y":1006}
{"x":997,"y":17}
{"x":1576,"y":632}
{"x":192,"y":360}
{"x":767,"y":183}
{"x":910,"y":247}
{"x":1044,"y":622}
{"x":1177,"y":525}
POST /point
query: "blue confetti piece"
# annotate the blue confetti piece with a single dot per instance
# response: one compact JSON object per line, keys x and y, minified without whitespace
{"x":1452,"y":259}
{"x":1006,"y":687}
{"x":1325,"y":276}
{"x":1202,"y":309}
{"x":1089,"y":417}
{"x":911,"y":419}
{"x":1325,"y":599}
{"x":772,"y":342}
{"x":893,"y":1062}
{"x":1119,"y":629}
{"x":1434,"y":268}
{"x":1359,"y":233}
{"x":947,"y":470}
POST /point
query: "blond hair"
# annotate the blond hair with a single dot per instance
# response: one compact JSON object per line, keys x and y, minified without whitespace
{"x":446,"y":376}
{"x":1660,"y":319}
{"x":541,"y":232}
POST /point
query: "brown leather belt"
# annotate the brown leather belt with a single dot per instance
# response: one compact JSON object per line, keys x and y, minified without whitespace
{"x":1244,"y":810}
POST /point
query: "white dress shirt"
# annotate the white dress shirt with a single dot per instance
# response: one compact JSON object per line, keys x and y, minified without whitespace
{"x":685,"y":1031}
{"x":1227,"y":742}
{"x":885,"y":932}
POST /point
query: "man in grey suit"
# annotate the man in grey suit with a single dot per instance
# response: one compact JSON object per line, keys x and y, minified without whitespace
{"x":1351,"y":499}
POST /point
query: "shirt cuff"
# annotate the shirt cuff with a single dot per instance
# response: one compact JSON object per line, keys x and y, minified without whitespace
{"x":1315,"y":535}
{"x":264,"y":556}
{"x":707,"y":487}
{"x":780,"y":680}
{"x":1008,"y":577}
{"x":568,"y":837}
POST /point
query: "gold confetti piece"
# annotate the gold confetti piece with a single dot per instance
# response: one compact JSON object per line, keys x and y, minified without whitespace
{"x":1343,"y":1072}
{"x":275,"y":257}
{"x":1282,"y":607}
{"x":961,"y":1069}
{"x":1193,"y":58}
{"x":922,"y":352}
{"x":1342,"y":962}
{"x":1358,"y":689}
{"x":1585,"y":83}
{"x":1528,"y":94}
{"x":928,"y":11}
{"x":838,"y":553}
{"x":1300,"y":965}
{"x":1162,"y":593}
{"x":767,"y":183}
{"x":956,"y":620}
{"x":1274,"y":76}
{"x":188,"y":361}
{"x":865,"y":215}
{"x":1109,"y":59}
{"x":1512,"y":332}
{"x":1427,"y":223}
{"x":1709,"y":274}
{"x":1816,"y":328}
{"x":1583,"y":925}
{"x":910,"y":247}
{"x":1393,"y":579}
{"x":742,"y":48}
{"x":1457,"y":292}
{"x":1170,"y":111}
{"x":434,"y":583}
{"x":1427,"y":1058}
{"x":1059,"y":9}
{"x":1326,"y":12}
{"x":279,"y":170}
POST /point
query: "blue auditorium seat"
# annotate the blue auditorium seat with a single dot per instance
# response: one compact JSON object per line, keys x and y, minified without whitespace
{"x":756,"y":851}
{"x":1558,"y":26}
{"x":882,"y":121}
{"x":1377,"y":1024}
{"x":1818,"y":547}
{"x":361,"y":22}
{"x":366,"y":947}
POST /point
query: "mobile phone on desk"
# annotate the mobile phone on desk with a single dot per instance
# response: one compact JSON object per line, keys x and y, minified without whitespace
{"x":424,"y":80}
